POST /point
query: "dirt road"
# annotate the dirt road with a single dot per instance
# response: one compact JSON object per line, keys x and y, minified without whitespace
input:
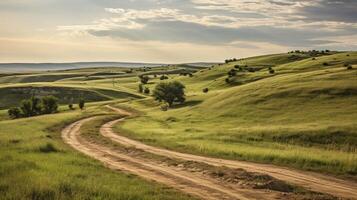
{"x":312,"y":181}
{"x":192,"y":183}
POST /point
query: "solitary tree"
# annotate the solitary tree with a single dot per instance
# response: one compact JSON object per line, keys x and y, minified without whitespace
{"x":81,"y":103}
{"x":49,"y":104}
{"x":170,"y":92}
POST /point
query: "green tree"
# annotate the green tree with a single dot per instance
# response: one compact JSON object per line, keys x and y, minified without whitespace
{"x":14,"y":113}
{"x":26,"y":108}
{"x":36,"y":108}
{"x":170,"y":92}
{"x":50,"y":104}
{"x":81,"y":103}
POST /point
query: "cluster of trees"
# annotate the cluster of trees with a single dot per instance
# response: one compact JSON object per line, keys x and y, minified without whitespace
{"x":39,"y":106}
{"x":231,"y":60}
{"x":35,"y":106}
{"x":170,"y":92}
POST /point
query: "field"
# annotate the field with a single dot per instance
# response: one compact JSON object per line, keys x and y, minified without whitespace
{"x":301,"y":116}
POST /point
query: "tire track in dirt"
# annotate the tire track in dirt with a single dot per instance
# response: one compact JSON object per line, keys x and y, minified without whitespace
{"x":309,"y":180}
{"x":191,"y":183}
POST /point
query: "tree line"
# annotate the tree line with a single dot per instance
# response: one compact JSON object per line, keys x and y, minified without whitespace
{"x":38,"y":106}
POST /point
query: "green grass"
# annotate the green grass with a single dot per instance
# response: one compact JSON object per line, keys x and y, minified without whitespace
{"x":14,"y":94}
{"x":36,"y":164}
{"x":304,"y":116}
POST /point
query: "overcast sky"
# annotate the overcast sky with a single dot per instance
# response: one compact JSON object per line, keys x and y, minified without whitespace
{"x":170,"y":30}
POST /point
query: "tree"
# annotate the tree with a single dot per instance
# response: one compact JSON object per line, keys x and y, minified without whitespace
{"x":14,"y":113}
{"x":81,"y":103}
{"x":170,"y":92}
{"x":144,"y":79}
{"x":49,"y":104}
{"x":26,"y":108}
{"x":36,"y":108}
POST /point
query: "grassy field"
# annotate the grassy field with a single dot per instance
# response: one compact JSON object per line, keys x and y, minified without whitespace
{"x":303,"y":116}
{"x":36,"y":164}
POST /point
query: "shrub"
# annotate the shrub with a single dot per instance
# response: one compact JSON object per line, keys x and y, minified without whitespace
{"x":228,"y":80}
{"x":271,"y":70}
{"x":164,"y":107}
{"x":325,"y":64}
{"x":49,"y":104}
{"x":348,"y":55}
{"x":81,"y":104}
{"x":232,"y":73}
{"x":349,"y":67}
{"x":14,"y":113}
{"x":313,"y":58}
{"x":48,"y":148}
{"x":147,"y":91}
{"x":144,"y":79}
{"x":163,"y":77}
{"x":141,"y":88}
{"x":70,"y":106}
{"x":170,"y":92}
{"x":205,"y":90}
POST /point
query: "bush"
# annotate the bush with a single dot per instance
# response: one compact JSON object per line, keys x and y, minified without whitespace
{"x":325,"y":64}
{"x":144,"y":79}
{"x":48,"y":148}
{"x":271,"y":70}
{"x":49,"y":104}
{"x":141,"y":88}
{"x":163,"y":77}
{"x":36,"y":105}
{"x":147,"y":91}
{"x":70,"y":106}
{"x":349,"y":67}
{"x":14,"y":113}
{"x":170,"y":92}
{"x":81,"y":103}
{"x":164,"y":107}
{"x":205,"y":90}
{"x":228,"y":80}
{"x":232,"y":73}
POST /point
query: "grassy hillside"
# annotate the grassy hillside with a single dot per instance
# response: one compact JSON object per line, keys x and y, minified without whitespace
{"x":36,"y":164}
{"x":303,"y":115}
{"x":14,"y":94}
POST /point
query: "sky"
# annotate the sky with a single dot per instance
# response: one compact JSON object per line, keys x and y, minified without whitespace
{"x":171,"y":31}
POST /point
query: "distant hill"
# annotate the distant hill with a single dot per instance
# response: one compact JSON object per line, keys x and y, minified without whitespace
{"x":17,"y":67}
{"x":30,"y":67}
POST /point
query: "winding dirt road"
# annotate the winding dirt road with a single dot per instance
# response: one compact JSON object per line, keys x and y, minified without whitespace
{"x":192,"y":183}
{"x":309,"y":180}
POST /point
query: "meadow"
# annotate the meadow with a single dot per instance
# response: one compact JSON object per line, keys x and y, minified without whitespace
{"x":303,"y":115}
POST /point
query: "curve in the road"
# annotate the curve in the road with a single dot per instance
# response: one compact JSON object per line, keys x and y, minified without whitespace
{"x":191,"y":183}
{"x":310,"y":180}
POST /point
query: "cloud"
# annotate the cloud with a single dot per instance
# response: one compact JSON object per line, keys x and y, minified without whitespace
{"x":291,"y":23}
